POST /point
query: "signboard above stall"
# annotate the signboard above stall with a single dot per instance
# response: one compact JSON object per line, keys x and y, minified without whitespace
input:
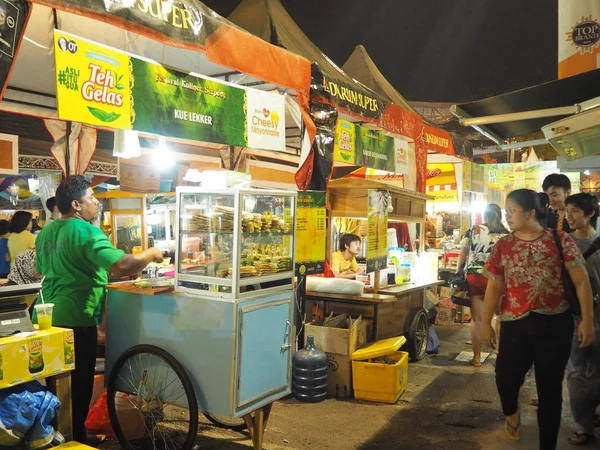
{"x":102,"y":86}
{"x":441,"y":182}
{"x":363,"y":147}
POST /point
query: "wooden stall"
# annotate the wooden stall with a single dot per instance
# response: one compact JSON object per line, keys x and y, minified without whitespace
{"x":396,"y":309}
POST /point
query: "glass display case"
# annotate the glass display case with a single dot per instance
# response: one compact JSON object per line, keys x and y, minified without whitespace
{"x":234,"y":242}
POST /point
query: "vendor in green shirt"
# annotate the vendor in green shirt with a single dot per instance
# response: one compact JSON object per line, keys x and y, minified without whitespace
{"x":74,"y":259}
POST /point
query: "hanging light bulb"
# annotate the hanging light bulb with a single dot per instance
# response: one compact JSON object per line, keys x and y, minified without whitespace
{"x":161,"y":155}
{"x":13,"y":190}
{"x":34,"y":184}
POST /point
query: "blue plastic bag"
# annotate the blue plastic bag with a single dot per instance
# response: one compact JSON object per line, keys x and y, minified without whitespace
{"x":26,"y":414}
{"x":433,"y":343}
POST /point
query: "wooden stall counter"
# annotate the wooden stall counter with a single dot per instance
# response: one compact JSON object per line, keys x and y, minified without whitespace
{"x":393,"y":311}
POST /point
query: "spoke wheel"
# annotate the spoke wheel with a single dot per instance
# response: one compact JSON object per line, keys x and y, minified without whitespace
{"x":226,"y":422}
{"x":151,"y":401}
{"x":418,"y":335}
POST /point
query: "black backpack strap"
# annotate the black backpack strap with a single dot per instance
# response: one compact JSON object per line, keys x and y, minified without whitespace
{"x":558,"y":244}
{"x":593,"y":248}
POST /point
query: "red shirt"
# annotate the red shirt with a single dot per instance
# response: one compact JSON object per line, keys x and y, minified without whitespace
{"x":531,"y":271}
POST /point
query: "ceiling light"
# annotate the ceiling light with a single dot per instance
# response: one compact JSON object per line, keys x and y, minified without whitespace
{"x":161,"y":155}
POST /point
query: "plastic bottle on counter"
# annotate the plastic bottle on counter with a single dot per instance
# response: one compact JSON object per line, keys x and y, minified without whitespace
{"x":309,"y":373}
{"x":404,"y":273}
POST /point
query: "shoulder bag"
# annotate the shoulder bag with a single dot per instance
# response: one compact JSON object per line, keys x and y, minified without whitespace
{"x":570,"y":291}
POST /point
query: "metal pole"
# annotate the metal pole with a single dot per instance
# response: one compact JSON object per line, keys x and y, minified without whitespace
{"x":67,"y":149}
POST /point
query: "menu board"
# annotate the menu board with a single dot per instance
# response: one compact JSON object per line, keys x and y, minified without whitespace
{"x":377,"y":230}
{"x":311,"y":232}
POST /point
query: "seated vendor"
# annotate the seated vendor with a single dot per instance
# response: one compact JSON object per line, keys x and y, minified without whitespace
{"x":343,"y":262}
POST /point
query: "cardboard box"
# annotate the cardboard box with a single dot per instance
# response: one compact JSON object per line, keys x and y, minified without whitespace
{"x":31,"y":356}
{"x":339,"y":344}
{"x":339,"y":376}
{"x":340,"y":341}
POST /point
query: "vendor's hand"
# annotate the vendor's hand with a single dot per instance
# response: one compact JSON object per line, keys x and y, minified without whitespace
{"x":156,"y":254}
{"x":585,"y":333}
{"x":488,"y":334}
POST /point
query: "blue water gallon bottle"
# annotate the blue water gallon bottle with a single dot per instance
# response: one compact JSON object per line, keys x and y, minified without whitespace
{"x":309,"y":373}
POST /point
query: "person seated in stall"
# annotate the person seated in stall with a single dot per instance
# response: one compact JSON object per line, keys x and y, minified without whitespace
{"x":343,"y":262}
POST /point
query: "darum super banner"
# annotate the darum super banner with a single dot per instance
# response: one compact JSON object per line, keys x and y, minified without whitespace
{"x":101,"y":86}
{"x":367,"y":148}
{"x":311,"y":232}
{"x":13,"y":17}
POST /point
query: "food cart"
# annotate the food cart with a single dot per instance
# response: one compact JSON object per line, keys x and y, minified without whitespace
{"x":222,"y":342}
{"x":396,"y":309}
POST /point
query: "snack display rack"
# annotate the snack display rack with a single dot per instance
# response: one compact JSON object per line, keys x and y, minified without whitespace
{"x":233,"y":242}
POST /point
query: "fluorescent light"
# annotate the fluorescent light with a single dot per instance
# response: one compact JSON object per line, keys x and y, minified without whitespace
{"x":586,"y":172}
{"x":161,"y":156}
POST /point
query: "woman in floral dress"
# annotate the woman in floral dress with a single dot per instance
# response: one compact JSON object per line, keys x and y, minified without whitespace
{"x":477,"y":245}
{"x":537,"y":324}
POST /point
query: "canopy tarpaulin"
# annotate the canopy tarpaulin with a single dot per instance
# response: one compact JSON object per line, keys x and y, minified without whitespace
{"x":182,"y":34}
{"x":361,"y":67}
{"x":553,"y":94}
{"x":269,"y":20}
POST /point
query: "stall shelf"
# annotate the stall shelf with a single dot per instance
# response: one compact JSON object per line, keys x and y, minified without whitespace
{"x":395,"y":310}
{"x":228,"y":325}
{"x":127,"y":216}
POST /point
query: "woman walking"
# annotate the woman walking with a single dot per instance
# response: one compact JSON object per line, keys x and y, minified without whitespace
{"x":583,"y":369}
{"x":477,"y":245}
{"x":537,"y":324}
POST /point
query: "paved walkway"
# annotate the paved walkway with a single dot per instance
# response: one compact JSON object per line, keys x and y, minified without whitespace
{"x":448,"y":405}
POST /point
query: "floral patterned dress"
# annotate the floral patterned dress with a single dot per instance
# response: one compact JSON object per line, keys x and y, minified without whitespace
{"x":531,"y":271}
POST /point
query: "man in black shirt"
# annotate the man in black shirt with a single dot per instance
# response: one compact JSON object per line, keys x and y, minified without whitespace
{"x":558,"y":187}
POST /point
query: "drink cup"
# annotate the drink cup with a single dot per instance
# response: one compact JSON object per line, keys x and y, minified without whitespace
{"x":44,"y":315}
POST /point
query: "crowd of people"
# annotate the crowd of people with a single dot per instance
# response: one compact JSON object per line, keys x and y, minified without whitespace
{"x":520,"y":276}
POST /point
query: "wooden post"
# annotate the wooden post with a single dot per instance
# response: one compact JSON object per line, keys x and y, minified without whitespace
{"x":257,"y":424}
{"x":376,"y":283}
{"x":60,"y":385}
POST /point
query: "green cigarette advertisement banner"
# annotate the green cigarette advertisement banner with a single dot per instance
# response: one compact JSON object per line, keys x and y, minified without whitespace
{"x":367,"y":148}
{"x":105,"y":87}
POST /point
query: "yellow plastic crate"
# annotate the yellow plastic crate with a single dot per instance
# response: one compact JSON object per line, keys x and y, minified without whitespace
{"x":380,"y":382}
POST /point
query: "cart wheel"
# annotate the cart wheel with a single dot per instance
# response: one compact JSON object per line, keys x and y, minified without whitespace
{"x":225,"y":422}
{"x":151,"y":401}
{"x":417,"y":336}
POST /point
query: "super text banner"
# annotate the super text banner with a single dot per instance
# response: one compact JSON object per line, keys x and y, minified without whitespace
{"x":13,"y":16}
{"x":105,"y":87}
{"x":367,"y":148}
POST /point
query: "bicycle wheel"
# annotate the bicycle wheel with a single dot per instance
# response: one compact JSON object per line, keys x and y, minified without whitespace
{"x":151,"y":401}
{"x":226,"y":422}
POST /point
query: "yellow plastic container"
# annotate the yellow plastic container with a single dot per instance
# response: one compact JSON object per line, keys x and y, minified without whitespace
{"x":380,"y":381}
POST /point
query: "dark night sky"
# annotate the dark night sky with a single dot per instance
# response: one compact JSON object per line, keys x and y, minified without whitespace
{"x":436,"y":50}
